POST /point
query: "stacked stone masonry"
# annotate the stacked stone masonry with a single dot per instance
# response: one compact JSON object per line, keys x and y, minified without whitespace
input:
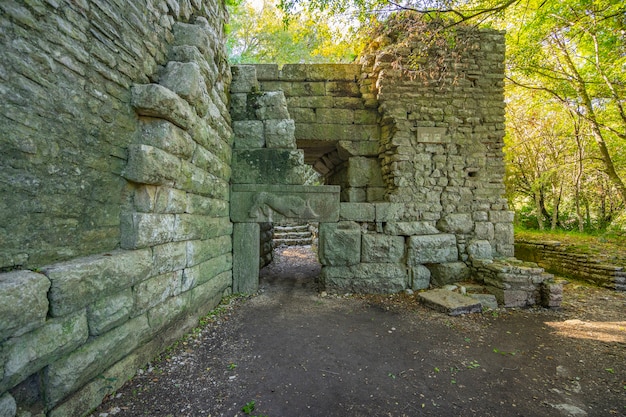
{"x":114,"y":183}
{"x":563,"y":260}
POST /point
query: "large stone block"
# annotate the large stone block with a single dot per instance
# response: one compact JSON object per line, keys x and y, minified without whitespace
{"x":75,"y":284}
{"x":155,"y":100}
{"x":372,"y":278}
{"x":364,"y":172}
{"x":141,"y":230}
{"x":150,"y":165}
{"x":268,"y":166}
{"x":249,"y":134}
{"x":209,"y":294}
{"x":156,"y":290}
{"x":360,"y":212}
{"x":159,"y":199}
{"x":480,"y":249}
{"x":340,"y":243}
{"x":169,"y":257}
{"x":378,"y":248}
{"x":111,"y":311}
{"x":244,"y":79}
{"x":432,"y":249}
{"x":31,"y":352}
{"x":279,"y":134}
{"x":419,"y":277}
{"x":192,"y":227}
{"x":456,"y":223}
{"x":167,"y":136}
{"x":246,"y":252}
{"x":186,"y":80}
{"x":169,"y":311}
{"x":411,"y":228}
{"x":31,"y":290}
{"x":270,"y":203}
{"x":8,"y":407}
{"x":270,"y":105}
{"x":205,"y":271}
{"x":448,"y":273}
{"x":199,"y":251}
{"x":66,"y":375}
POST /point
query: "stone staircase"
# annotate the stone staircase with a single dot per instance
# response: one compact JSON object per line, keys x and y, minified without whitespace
{"x":292,"y":235}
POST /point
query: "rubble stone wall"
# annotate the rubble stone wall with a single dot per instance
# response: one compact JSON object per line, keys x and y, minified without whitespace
{"x":114,"y":199}
{"x":558,"y":258}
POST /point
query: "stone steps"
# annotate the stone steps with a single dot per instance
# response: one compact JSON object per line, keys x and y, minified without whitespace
{"x":298,"y":235}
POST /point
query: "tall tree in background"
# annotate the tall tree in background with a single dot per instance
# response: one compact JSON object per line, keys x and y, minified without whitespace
{"x":576,"y":52}
{"x":258,"y":34}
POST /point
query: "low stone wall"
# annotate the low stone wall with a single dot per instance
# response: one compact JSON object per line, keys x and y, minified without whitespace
{"x":115,"y":230}
{"x":562,"y":260}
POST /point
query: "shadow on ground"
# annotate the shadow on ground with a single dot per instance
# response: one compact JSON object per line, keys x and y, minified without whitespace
{"x":290,"y":352}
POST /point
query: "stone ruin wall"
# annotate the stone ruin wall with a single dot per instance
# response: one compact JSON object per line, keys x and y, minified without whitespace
{"x":114,"y":191}
{"x":117,"y":162}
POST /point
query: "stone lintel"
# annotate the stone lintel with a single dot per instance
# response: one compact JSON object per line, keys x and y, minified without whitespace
{"x":270,"y":203}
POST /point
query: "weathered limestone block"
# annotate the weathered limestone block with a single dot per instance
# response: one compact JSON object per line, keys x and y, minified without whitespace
{"x":501,"y":216}
{"x":270,"y":105}
{"x":388,"y":212}
{"x":246,"y":252}
{"x":80,"y":282}
{"x":335,"y":116}
{"x":364,"y":172}
{"x":150,"y":165}
{"x":456,"y":223}
{"x":270,"y":203}
{"x":168,"y":257}
{"x":197,"y":35}
{"x":411,"y":228}
{"x":484,"y":230}
{"x":141,"y":230}
{"x":419,"y":277}
{"x":64,"y":376}
{"x":354,"y":195}
{"x":199,"y":251}
{"x":249,"y":134}
{"x":370,"y":278}
{"x":186,"y":80}
{"x":432,"y":249}
{"x":209,"y":294}
{"x":155,"y":100}
{"x":198,"y":204}
{"x":167,"y":136}
{"x":360,"y":212}
{"x":192,"y":227}
{"x":31,"y":352}
{"x":347,"y":148}
{"x":188,"y":53}
{"x":31,"y":290}
{"x":480,"y":249}
{"x":268,"y":166}
{"x":333,"y":132}
{"x":8,"y":408}
{"x":340,"y":243}
{"x":244,"y":79}
{"x":448,"y":273}
{"x":207,"y":270}
{"x":156,"y":290}
{"x":109,"y":312}
{"x":504,"y":238}
{"x":169,"y":311}
{"x":159,"y":199}
{"x":378,"y":248}
{"x":279,"y":134}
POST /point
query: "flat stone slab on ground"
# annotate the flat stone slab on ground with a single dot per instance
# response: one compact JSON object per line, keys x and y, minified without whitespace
{"x":450,"y":302}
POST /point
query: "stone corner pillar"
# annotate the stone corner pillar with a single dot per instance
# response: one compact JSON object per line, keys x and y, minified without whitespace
{"x":246,"y":252}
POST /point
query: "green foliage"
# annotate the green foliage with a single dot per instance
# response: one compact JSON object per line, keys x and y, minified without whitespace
{"x":258,"y":34}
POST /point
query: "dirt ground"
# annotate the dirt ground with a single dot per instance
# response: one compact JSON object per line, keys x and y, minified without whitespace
{"x":290,"y":351}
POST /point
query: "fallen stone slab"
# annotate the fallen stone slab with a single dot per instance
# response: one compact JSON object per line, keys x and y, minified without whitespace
{"x":449,"y":302}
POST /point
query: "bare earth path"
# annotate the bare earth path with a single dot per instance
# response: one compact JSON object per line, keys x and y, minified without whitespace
{"x":291,"y":352}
